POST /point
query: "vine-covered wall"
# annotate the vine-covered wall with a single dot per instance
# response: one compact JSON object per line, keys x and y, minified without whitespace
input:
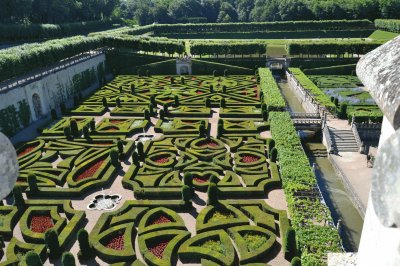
{"x":17,"y":107}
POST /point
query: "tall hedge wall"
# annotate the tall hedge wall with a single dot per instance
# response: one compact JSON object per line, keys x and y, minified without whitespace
{"x":272,"y":95}
{"x":310,"y":217}
{"x":392,"y":25}
{"x":223,"y":48}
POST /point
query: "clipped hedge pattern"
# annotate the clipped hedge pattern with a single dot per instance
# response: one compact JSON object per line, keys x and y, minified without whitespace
{"x":272,"y":94}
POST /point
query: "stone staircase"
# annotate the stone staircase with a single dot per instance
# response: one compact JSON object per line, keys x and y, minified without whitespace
{"x":343,"y":140}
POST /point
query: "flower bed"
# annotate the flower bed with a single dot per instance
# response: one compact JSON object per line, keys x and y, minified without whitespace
{"x":201,"y":179}
{"x":249,"y":159}
{"x":207,"y":143}
{"x":254,"y":241}
{"x":161,"y":220}
{"x":214,"y":246}
{"x":41,"y":223}
{"x":158,"y":250}
{"x":89,"y":172}
{"x":161,"y":159}
{"x":26,"y":151}
{"x":116,"y":243}
{"x":221,"y":215}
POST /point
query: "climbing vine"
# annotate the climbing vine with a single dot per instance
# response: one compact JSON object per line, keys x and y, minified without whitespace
{"x":24,"y":113}
{"x":9,"y":122}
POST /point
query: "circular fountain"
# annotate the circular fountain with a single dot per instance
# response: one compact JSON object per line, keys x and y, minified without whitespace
{"x":103,"y":202}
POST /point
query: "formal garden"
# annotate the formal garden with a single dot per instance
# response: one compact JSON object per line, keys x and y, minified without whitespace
{"x":155,"y":170}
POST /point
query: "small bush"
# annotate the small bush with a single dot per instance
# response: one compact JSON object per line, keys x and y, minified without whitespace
{"x":52,"y":243}
{"x":147,"y":115}
{"x":212,"y":194}
{"x":176,"y":101}
{"x":186,"y":194}
{"x":140,"y":150}
{"x":296,"y":261}
{"x":135,"y":159}
{"x":118,"y":102}
{"x":85,"y":249}
{"x":273,"y":155}
{"x":223,"y":103}
{"x":133,"y":88}
{"x":67,"y":132}
{"x":105,"y":103}
{"x":151,"y":110}
{"x":162,"y":114}
{"x":214,"y":179}
{"x":188,"y":180}
{"x":211,"y":88}
{"x":202,"y":131}
{"x":32,"y":182}
{"x":32,"y":259}
{"x":182,"y":80}
{"x":86,"y":132}
{"x":114,"y":158}
{"x":92,"y":125}
{"x":208,"y":102}
{"x":265,"y":115}
{"x":271,"y":144}
{"x":336,"y":102}
{"x":290,"y":243}
{"x":120,"y":146}
{"x":224,"y":89}
{"x":343,"y":111}
{"x":68,"y":259}
{"x":74,"y":128}
{"x":18,"y":198}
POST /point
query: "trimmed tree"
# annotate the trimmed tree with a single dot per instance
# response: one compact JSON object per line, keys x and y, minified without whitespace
{"x":223,"y":103}
{"x":212,"y":193}
{"x":67,"y":132}
{"x":343,"y":111}
{"x":92,"y":125}
{"x":265,"y":115}
{"x":74,"y":128}
{"x":214,"y":179}
{"x":105,"y":103}
{"x":140,"y":150}
{"x":17,"y":196}
{"x":290,"y":243}
{"x":273,"y":155}
{"x":211,"y":88}
{"x":182,"y":80}
{"x":118,"y":102}
{"x":162,"y":114}
{"x":147,"y":115}
{"x":176,"y":101}
{"x":208,"y":103}
{"x":202,"y":131}
{"x":296,"y":261}
{"x":85,"y":249}
{"x":68,"y":259}
{"x":86,"y":132}
{"x":151,"y":109}
{"x":52,"y":244}
{"x":114,"y":158}
{"x":135,"y":158}
{"x":32,"y":182}
{"x":186,"y":194}
{"x":133,"y":88}
{"x":33,"y":259}
{"x":271,"y":144}
{"x":120,"y":146}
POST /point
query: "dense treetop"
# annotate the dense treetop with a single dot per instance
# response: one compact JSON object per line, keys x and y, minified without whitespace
{"x":172,"y":11}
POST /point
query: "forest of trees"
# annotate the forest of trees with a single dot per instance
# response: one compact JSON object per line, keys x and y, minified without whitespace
{"x":172,"y":11}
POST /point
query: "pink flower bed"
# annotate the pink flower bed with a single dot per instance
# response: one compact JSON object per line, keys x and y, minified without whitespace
{"x":116,"y":243}
{"x":207,"y":143}
{"x":89,"y":172}
{"x":26,"y":151}
{"x":249,"y":159}
{"x":158,"y":250}
{"x":41,"y":223}
{"x":161,"y":220}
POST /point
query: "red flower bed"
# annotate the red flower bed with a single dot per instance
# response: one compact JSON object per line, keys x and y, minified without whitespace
{"x":207,"y":143}
{"x":114,"y":121}
{"x":41,"y":223}
{"x":89,"y":172}
{"x":201,"y":179}
{"x":26,"y":151}
{"x":116,"y":243}
{"x":111,"y":129}
{"x":199,"y":92}
{"x":161,"y":220}
{"x":161,"y":159}
{"x":249,"y":159}
{"x":158,"y":250}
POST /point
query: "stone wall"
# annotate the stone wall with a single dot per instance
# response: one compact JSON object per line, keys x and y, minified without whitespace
{"x":300,"y":94}
{"x":52,"y":90}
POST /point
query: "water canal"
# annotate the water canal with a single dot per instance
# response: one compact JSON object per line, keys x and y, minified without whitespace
{"x":330,"y":184}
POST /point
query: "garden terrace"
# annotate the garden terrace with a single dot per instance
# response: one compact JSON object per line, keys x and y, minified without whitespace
{"x":73,"y":159}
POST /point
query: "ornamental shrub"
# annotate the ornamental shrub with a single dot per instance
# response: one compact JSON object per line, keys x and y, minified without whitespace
{"x":86,"y":132}
{"x":336,"y":102}
{"x":220,"y":130}
{"x":33,"y":259}
{"x":208,"y":103}
{"x":172,"y":80}
{"x":18,"y":198}
{"x":105,"y":103}
{"x":153,"y":100}
{"x":211,"y":88}
{"x":147,"y":115}
{"x":114,"y":158}
{"x":67,"y":132}
{"x":332,"y":98}
{"x":151,"y":109}
{"x":271,"y":144}
{"x":187,"y":194}
{"x":162,"y":114}
{"x":118,"y":102}
{"x":296,"y":261}
{"x":265,"y":115}
{"x":165,"y":108}
{"x":176,"y":101}
{"x":32,"y":182}
{"x":212,"y":193}
{"x":68,"y":259}
{"x":74,"y":128}
{"x":188,"y":179}
{"x":290,"y":243}
{"x":273,"y":154}
{"x":135,"y":159}
{"x":343,"y":111}
{"x":202,"y":131}
{"x":120,"y":89}
{"x":133,"y":88}
{"x":223,"y":103}
{"x":214,"y":179}
{"x":263,"y":107}
{"x":85,"y":249}
{"x":120,"y":146}
{"x":53,"y":113}
{"x":215,"y":73}
{"x":140,"y":150}
{"x":225,"y":72}
{"x":224,"y":89}
{"x":182,"y":80}
{"x":1,"y":237}
{"x":92,"y":125}
{"x":52,"y":244}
